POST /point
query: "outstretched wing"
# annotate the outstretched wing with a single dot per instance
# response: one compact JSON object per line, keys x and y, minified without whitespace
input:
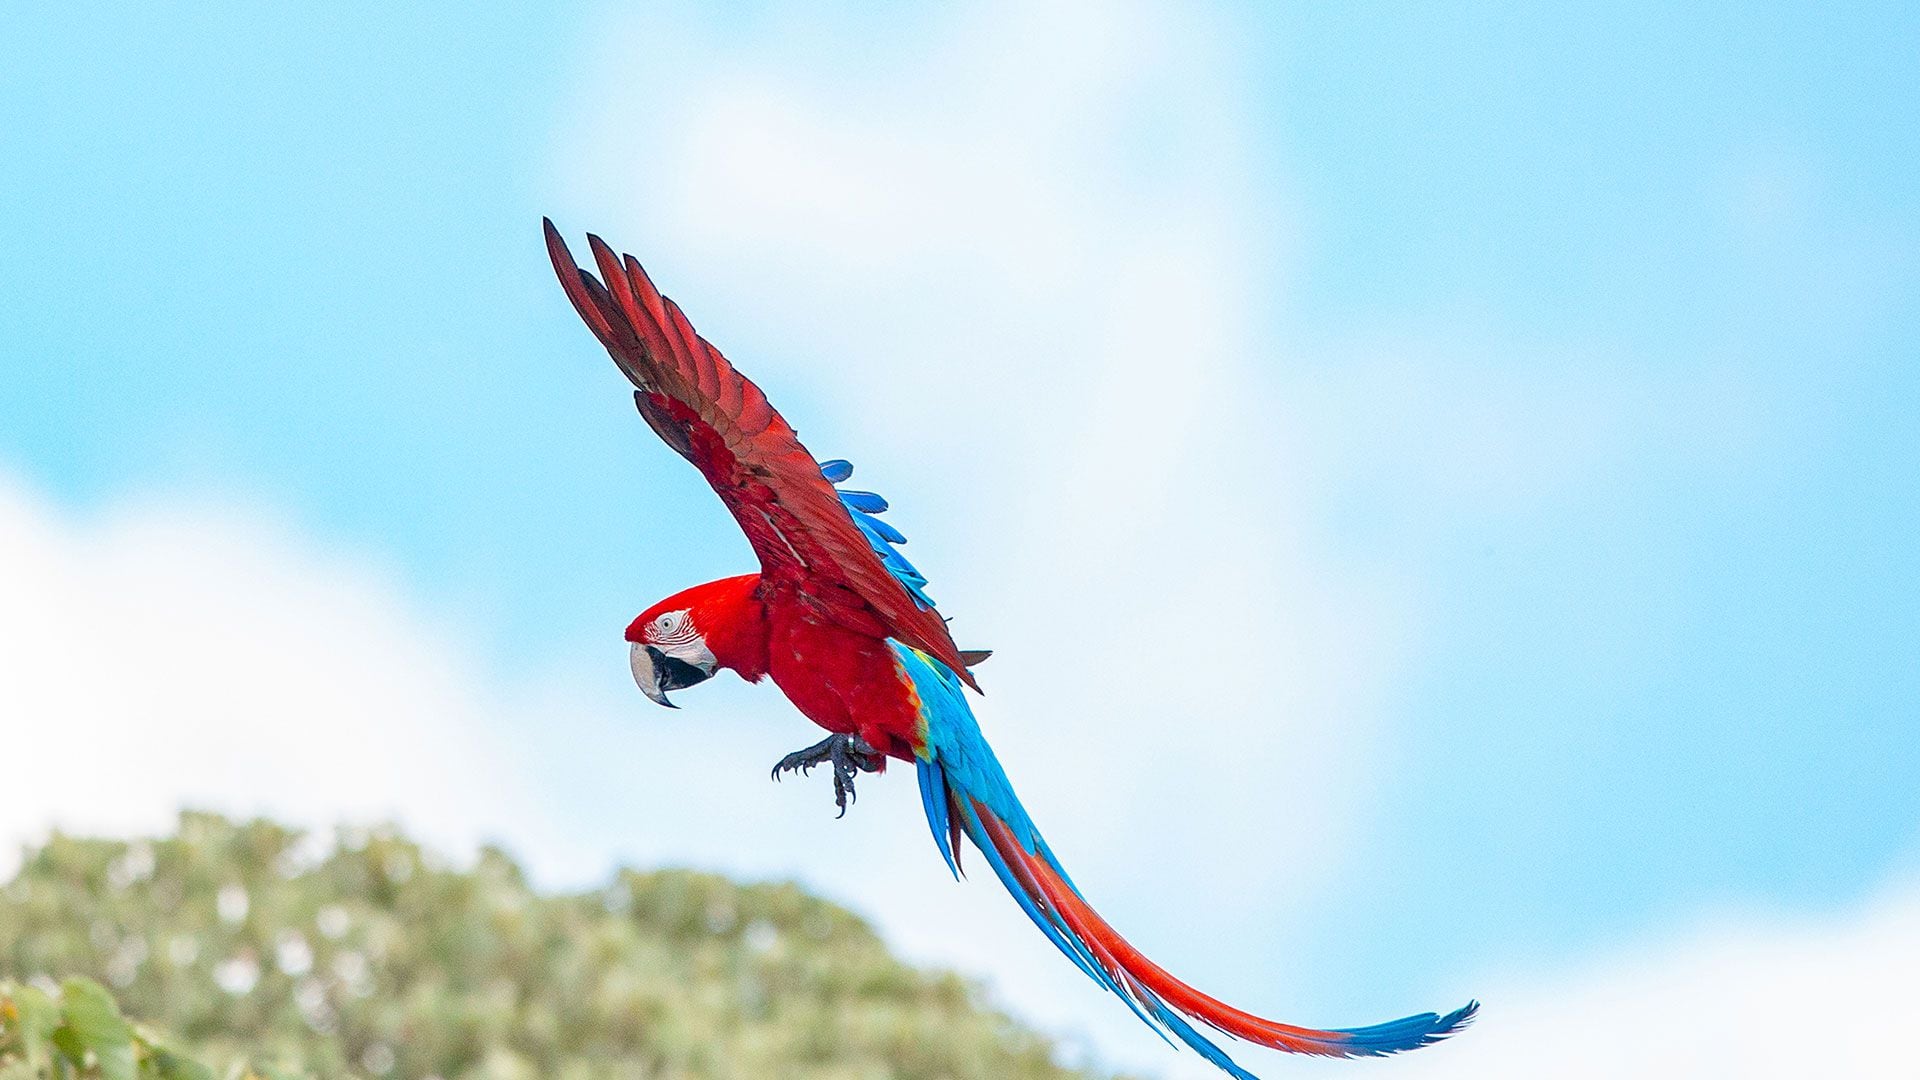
{"x":807,"y":539}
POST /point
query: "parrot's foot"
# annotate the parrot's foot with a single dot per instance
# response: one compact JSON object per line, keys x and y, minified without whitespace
{"x":849,"y":755}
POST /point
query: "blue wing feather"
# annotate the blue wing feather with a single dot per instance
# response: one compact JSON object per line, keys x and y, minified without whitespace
{"x":874,"y":527}
{"x":861,"y":506}
{"x":863,"y":501}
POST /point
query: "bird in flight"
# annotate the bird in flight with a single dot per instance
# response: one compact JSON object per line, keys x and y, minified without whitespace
{"x":842,"y":624}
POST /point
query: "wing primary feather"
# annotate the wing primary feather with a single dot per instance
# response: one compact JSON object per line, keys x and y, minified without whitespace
{"x":572,"y":284}
{"x":618,"y":283}
{"x":625,"y":345}
{"x":644,"y":287}
{"x":691,"y":350}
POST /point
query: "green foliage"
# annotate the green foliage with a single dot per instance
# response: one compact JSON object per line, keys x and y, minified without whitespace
{"x":371,"y":958}
{"x":77,"y":1033}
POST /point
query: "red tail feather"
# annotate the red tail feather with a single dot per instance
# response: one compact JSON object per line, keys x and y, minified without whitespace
{"x":1131,"y":967}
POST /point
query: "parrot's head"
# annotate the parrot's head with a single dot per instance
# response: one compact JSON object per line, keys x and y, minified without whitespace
{"x":672,"y":644}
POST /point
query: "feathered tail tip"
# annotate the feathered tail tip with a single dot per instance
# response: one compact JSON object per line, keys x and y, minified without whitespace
{"x":1406,"y":1033}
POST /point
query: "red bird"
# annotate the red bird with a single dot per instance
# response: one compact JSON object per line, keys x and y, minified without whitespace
{"x":838,"y":619}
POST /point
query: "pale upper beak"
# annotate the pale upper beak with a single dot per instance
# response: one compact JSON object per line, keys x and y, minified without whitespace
{"x":656,"y":673}
{"x":648,"y":670}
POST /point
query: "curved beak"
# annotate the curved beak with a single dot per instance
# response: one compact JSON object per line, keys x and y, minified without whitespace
{"x":656,"y":673}
{"x":649,"y":671}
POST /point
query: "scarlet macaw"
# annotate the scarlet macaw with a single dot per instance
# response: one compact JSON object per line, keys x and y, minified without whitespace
{"x":839,"y":620}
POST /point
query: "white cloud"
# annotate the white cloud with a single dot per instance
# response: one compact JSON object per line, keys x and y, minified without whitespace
{"x":168,"y":655}
{"x":1742,"y":999}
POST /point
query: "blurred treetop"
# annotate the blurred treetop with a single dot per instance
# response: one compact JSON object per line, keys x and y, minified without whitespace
{"x":77,"y":1032}
{"x":371,"y":958}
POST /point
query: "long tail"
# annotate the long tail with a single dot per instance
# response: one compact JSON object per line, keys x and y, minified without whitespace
{"x":965,"y":792}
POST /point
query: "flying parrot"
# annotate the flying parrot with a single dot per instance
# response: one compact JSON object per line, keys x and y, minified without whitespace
{"x":841,"y":622}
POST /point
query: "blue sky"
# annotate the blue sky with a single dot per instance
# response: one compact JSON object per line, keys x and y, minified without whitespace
{"x":1503,"y":420}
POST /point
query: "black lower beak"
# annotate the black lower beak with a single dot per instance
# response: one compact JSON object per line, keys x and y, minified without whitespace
{"x":675,"y":674}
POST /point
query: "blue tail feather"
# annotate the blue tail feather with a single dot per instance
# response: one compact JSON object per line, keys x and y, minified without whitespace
{"x":1195,"y":1041}
{"x":954,"y":757}
{"x":933,"y":798}
{"x":1406,"y":1033}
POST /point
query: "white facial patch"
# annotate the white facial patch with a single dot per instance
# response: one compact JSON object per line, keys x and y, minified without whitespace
{"x":673,"y":633}
{"x":672,"y":628}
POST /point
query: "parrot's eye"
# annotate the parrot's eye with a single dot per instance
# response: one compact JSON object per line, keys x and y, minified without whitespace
{"x":671,"y":628}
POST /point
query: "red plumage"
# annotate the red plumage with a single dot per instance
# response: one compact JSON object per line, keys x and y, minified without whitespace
{"x":842,"y":679}
{"x":818,"y":571}
{"x":1128,"y":964}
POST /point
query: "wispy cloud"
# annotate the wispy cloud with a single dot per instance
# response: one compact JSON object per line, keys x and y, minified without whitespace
{"x":1735,"y":997}
{"x":167,"y":654}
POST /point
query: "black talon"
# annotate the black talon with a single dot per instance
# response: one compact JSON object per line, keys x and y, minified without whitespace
{"x":850,"y":755}
{"x":803,"y":761}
